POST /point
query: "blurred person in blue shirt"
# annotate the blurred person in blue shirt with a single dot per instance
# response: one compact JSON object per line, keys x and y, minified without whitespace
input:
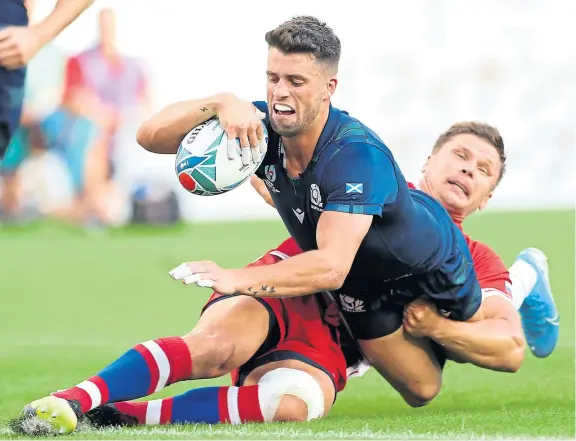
{"x":65,"y":142}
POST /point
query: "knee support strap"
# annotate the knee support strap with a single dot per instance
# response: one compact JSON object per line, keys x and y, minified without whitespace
{"x":285,"y":381}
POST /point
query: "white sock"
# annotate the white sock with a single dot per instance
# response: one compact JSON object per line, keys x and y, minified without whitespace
{"x":523,"y":278}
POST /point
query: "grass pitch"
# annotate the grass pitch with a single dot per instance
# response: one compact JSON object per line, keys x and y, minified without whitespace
{"x":72,"y":302}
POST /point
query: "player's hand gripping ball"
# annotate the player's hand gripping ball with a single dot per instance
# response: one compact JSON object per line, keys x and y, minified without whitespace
{"x":208,"y":163}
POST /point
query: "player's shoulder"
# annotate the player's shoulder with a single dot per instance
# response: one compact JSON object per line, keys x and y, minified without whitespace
{"x":478,"y":246}
{"x":352,"y":131}
{"x":483,"y":254}
{"x":351,"y":140}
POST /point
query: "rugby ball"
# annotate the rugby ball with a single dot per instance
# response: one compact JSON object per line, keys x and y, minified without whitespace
{"x":202,"y":164}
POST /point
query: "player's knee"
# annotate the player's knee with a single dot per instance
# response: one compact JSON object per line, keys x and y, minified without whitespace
{"x":515,"y":357}
{"x":290,"y":395}
{"x":211,"y":352}
{"x":519,"y":352}
{"x":291,"y":409}
{"x":421,"y":393}
{"x":513,"y":363}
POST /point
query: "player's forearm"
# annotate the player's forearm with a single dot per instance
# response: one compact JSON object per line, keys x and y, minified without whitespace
{"x":163,"y":132}
{"x":492,"y":343}
{"x":300,"y":275}
{"x":64,"y":13}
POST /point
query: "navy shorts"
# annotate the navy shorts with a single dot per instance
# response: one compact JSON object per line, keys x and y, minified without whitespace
{"x":11,"y":99}
{"x":452,"y":285}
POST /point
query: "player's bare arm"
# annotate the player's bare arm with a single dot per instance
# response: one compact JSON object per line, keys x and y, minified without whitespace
{"x":18,"y":44}
{"x":496,"y":342}
{"x":64,"y":13}
{"x":320,"y":270}
{"x":163,"y":132}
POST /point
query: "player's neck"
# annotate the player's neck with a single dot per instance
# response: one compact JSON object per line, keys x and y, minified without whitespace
{"x":457,"y":219}
{"x":299,"y":149}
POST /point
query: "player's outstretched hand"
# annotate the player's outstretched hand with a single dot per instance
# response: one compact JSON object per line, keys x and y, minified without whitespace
{"x":421,"y":318}
{"x":206,"y":274}
{"x":18,"y":44}
{"x":241,"y":120}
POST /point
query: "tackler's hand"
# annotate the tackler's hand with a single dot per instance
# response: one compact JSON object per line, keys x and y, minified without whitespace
{"x":420,"y":318}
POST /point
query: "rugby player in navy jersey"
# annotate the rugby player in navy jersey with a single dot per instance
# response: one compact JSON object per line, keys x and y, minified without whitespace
{"x":367,"y":237}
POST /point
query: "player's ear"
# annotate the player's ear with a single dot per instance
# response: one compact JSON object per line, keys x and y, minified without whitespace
{"x":484,"y":202}
{"x":425,"y":164}
{"x":331,"y":86}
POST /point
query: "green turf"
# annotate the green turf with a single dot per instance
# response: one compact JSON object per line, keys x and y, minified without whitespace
{"x":74,"y":301}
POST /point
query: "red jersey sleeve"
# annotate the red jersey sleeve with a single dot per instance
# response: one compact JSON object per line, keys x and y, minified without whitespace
{"x":490,"y":270}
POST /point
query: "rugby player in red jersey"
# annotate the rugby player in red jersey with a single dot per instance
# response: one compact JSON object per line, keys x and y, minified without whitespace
{"x":463,"y":170}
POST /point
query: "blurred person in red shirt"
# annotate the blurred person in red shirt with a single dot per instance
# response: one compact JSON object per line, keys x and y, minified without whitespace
{"x":118,"y":83}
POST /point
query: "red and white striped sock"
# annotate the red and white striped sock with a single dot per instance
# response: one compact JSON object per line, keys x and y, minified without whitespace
{"x":141,"y":371}
{"x":211,"y":405}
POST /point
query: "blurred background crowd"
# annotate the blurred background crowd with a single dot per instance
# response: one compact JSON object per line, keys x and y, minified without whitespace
{"x":61,"y":163}
{"x":75,"y":158}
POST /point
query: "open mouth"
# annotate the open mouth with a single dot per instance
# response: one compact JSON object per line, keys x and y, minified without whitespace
{"x":283,"y":109}
{"x":460,"y":186}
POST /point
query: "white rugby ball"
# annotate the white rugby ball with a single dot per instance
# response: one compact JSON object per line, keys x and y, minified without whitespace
{"x":202,"y":163}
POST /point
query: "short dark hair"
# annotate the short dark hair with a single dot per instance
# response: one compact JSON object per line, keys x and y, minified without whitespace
{"x":306,"y":35}
{"x":481,"y":130}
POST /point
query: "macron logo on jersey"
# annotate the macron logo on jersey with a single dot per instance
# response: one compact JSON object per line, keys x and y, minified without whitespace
{"x":299,"y":214}
{"x":354,"y":187}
